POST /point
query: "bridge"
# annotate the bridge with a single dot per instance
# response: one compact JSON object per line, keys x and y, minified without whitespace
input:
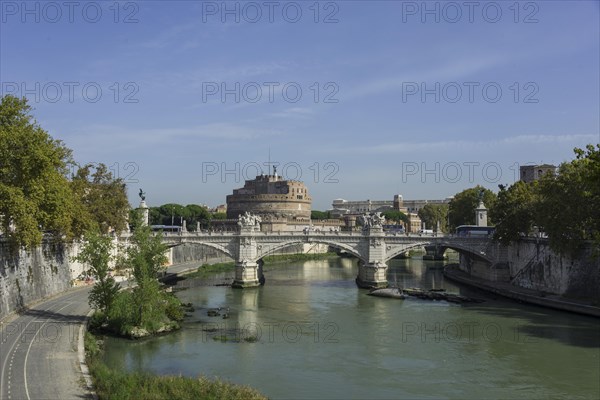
{"x":372,"y":246}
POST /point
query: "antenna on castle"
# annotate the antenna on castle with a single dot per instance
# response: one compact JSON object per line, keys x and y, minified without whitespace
{"x":269,"y":163}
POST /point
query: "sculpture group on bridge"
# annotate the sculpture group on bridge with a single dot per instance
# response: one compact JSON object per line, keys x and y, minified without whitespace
{"x":372,"y":221}
{"x":249,"y":220}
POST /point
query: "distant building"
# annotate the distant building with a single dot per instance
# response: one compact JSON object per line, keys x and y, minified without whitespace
{"x":344,"y":209}
{"x":530,"y":173}
{"x":341,"y":206}
{"x":221,"y":208}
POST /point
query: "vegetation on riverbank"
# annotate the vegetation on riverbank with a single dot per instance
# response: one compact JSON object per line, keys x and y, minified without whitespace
{"x":206,"y":269}
{"x":146,"y":309}
{"x":114,"y":384}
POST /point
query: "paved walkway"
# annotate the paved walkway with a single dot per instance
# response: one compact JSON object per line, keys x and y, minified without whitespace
{"x":39,"y":347}
{"x":522,"y":294}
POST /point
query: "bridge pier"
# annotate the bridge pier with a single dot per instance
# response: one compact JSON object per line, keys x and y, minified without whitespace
{"x":247,"y":274}
{"x":372,"y":275}
{"x":372,"y":272}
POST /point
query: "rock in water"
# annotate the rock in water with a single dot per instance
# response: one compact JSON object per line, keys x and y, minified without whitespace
{"x":395,"y":293}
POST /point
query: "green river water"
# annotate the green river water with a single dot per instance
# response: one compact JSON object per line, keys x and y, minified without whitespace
{"x":310,"y":333}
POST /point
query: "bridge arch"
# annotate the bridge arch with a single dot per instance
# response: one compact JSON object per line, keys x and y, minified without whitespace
{"x":273,"y":249}
{"x":402,"y":249}
{"x":443,"y":245}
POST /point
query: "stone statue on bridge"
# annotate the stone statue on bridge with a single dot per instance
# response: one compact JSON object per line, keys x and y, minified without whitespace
{"x":377,"y":220}
{"x":249,"y":220}
{"x":372,"y":221}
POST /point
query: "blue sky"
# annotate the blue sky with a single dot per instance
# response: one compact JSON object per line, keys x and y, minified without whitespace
{"x":359,"y":99}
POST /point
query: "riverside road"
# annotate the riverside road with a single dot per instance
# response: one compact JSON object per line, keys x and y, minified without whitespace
{"x":39,"y":347}
{"x":38,"y":351}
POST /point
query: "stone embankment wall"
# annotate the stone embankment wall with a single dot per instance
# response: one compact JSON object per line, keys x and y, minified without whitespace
{"x":28,"y":276}
{"x":532,"y":264}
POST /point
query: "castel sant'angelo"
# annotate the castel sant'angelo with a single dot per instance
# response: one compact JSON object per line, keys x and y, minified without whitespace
{"x":281,"y":204}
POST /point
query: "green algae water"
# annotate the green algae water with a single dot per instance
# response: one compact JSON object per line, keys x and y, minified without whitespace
{"x":310,"y":333}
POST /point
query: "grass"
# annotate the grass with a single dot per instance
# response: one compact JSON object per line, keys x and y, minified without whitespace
{"x":207,"y":269}
{"x":114,"y":384}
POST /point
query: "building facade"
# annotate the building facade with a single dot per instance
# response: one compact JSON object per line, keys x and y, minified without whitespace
{"x":341,"y":206}
{"x":345,"y":209}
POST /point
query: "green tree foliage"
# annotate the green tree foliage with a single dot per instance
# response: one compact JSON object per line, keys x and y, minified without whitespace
{"x":434,"y":214}
{"x":172,"y":213}
{"x":314,"y":214}
{"x":96,"y":252}
{"x":154,"y":216}
{"x":515,"y":211}
{"x":566,"y":207}
{"x":393,"y":216}
{"x":570,"y":202}
{"x":102,"y":199}
{"x":36,"y":195}
{"x":219,"y":216}
{"x":34,"y":189}
{"x":462,"y":207}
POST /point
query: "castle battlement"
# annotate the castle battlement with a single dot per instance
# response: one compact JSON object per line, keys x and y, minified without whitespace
{"x":272,"y":197}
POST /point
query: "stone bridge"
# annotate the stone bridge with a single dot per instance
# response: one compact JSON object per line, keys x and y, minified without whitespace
{"x":373,"y":247}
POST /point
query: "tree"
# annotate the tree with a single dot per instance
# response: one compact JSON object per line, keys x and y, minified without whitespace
{"x":172,"y":213}
{"x":103,"y":199}
{"x":96,"y":252}
{"x":146,"y":257}
{"x":395,"y":216}
{"x":154,"y":216}
{"x":434,"y":215}
{"x":34,"y":190}
{"x":462,"y":207}
{"x":197,"y":214}
{"x":317,"y":215}
{"x":515,"y":211}
{"x":569,"y":204}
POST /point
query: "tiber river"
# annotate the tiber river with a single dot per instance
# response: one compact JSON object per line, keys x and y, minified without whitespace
{"x":317,"y":336}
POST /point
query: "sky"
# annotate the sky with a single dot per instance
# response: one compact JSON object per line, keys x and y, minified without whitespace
{"x":358,"y":99}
